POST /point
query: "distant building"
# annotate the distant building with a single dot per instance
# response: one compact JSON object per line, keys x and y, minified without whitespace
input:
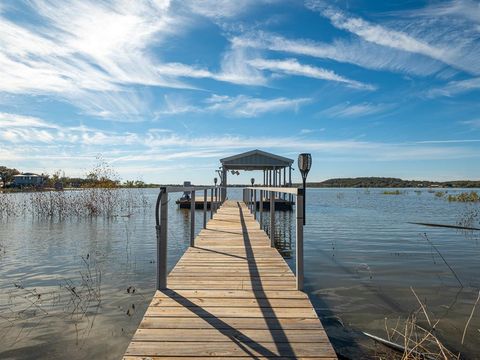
{"x":27,"y":179}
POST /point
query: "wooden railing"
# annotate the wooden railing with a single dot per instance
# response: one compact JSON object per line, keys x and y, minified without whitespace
{"x":250,"y":198}
{"x":161,"y":221}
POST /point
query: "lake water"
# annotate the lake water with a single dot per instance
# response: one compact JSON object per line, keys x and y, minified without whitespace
{"x":77,"y":287}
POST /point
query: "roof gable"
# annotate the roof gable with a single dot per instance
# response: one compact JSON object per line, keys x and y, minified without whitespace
{"x":255,"y":159}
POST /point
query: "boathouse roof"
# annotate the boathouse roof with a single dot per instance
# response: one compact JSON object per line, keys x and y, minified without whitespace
{"x":255,"y":160}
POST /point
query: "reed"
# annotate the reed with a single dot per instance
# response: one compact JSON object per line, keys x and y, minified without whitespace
{"x":416,"y":338}
{"x":108,"y":202}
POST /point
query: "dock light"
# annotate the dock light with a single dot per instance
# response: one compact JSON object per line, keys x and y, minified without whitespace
{"x":215,"y":181}
{"x":304,"y":165}
{"x":252,"y":180}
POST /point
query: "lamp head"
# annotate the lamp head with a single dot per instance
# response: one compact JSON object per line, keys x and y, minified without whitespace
{"x":252,"y":180}
{"x":215,"y":180}
{"x":304,"y":164}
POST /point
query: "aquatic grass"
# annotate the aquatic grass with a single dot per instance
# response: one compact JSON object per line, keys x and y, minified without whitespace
{"x":471,"y":196}
{"x":440,"y":194}
{"x":394,"y":192}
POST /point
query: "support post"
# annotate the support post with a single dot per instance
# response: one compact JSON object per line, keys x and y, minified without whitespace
{"x":254,"y":207}
{"x":216,"y":198}
{"x":272,"y":219}
{"x":261,"y":209}
{"x":251,"y":201}
{"x":299,"y":238}
{"x":205,"y":196}
{"x":192,"y":219}
{"x":162,"y":227}
{"x":211,"y":203}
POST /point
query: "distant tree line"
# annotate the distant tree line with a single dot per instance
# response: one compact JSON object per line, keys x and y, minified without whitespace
{"x":387,"y":182}
{"x":101,"y":176}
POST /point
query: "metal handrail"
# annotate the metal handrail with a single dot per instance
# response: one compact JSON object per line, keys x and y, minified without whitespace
{"x":250,"y":196}
{"x":285,"y":190}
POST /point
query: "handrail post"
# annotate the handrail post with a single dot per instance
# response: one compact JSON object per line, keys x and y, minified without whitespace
{"x":261,"y":208}
{"x":162,"y":241}
{"x":211,"y":203}
{"x":272,"y":219}
{"x":299,"y":238}
{"x":254,"y":206}
{"x":205,"y":196}
{"x":192,"y":219}
{"x":250,"y":195}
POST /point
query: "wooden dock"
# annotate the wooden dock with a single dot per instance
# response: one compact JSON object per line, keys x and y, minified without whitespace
{"x":230,"y":296}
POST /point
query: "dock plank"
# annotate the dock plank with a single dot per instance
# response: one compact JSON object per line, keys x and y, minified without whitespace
{"x":230,"y":296}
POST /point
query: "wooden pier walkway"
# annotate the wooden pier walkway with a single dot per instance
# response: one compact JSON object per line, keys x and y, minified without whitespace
{"x":230,"y":296}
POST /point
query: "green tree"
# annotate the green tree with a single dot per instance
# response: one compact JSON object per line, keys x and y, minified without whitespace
{"x":6,"y":174}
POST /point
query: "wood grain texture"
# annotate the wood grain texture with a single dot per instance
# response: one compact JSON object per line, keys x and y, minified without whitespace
{"x":230,"y":296}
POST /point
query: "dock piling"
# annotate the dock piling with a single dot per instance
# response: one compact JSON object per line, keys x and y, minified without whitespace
{"x":299,"y":239}
{"x":162,"y":227}
{"x":205,"y":195}
{"x":192,"y":219}
{"x":211,"y":203}
{"x":272,"y":218}
{"x":261,"y":209}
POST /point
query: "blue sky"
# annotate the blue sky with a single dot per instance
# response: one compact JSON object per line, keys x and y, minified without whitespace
{"x":163,"y":89}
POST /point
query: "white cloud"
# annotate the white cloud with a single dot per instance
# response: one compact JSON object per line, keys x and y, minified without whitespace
{"x":361,"y":53}
{"x":41,"y":146}
{"x":293,"y":67}
{"x":220,"y":9}
{"x":454,"y":141}
{"x":245,"y":106}
{"x":472,"y":123}
{"x":92,"y":54}
{"x":241,"y":106}
{"x":465,"y":9}
{"x":20,"y":129}
{"x":381,"y":35}
{"x":236,"y":68}
{"x":8,"y":120}
{"x":456,"y":87}
{"x":444,"y":39}
{"x":355,"y":110}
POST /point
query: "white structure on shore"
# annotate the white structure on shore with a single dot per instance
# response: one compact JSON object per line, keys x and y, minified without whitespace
{"x":27,"y":179}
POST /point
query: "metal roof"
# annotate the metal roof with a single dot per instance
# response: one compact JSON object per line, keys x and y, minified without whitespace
{"x":255,"y":160}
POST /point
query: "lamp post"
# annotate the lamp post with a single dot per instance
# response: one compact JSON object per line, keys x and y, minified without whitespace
{"x":252,"y":181}
{"x":304,"y":165}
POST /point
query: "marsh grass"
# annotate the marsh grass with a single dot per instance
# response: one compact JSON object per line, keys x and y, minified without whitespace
{"x":108,"y":202}
{"x":471,"y":196}
{"x":394,"y":192}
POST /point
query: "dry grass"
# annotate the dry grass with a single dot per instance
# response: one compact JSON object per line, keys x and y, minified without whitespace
{"x":417,"y":336}
{"x":107,"y":202}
